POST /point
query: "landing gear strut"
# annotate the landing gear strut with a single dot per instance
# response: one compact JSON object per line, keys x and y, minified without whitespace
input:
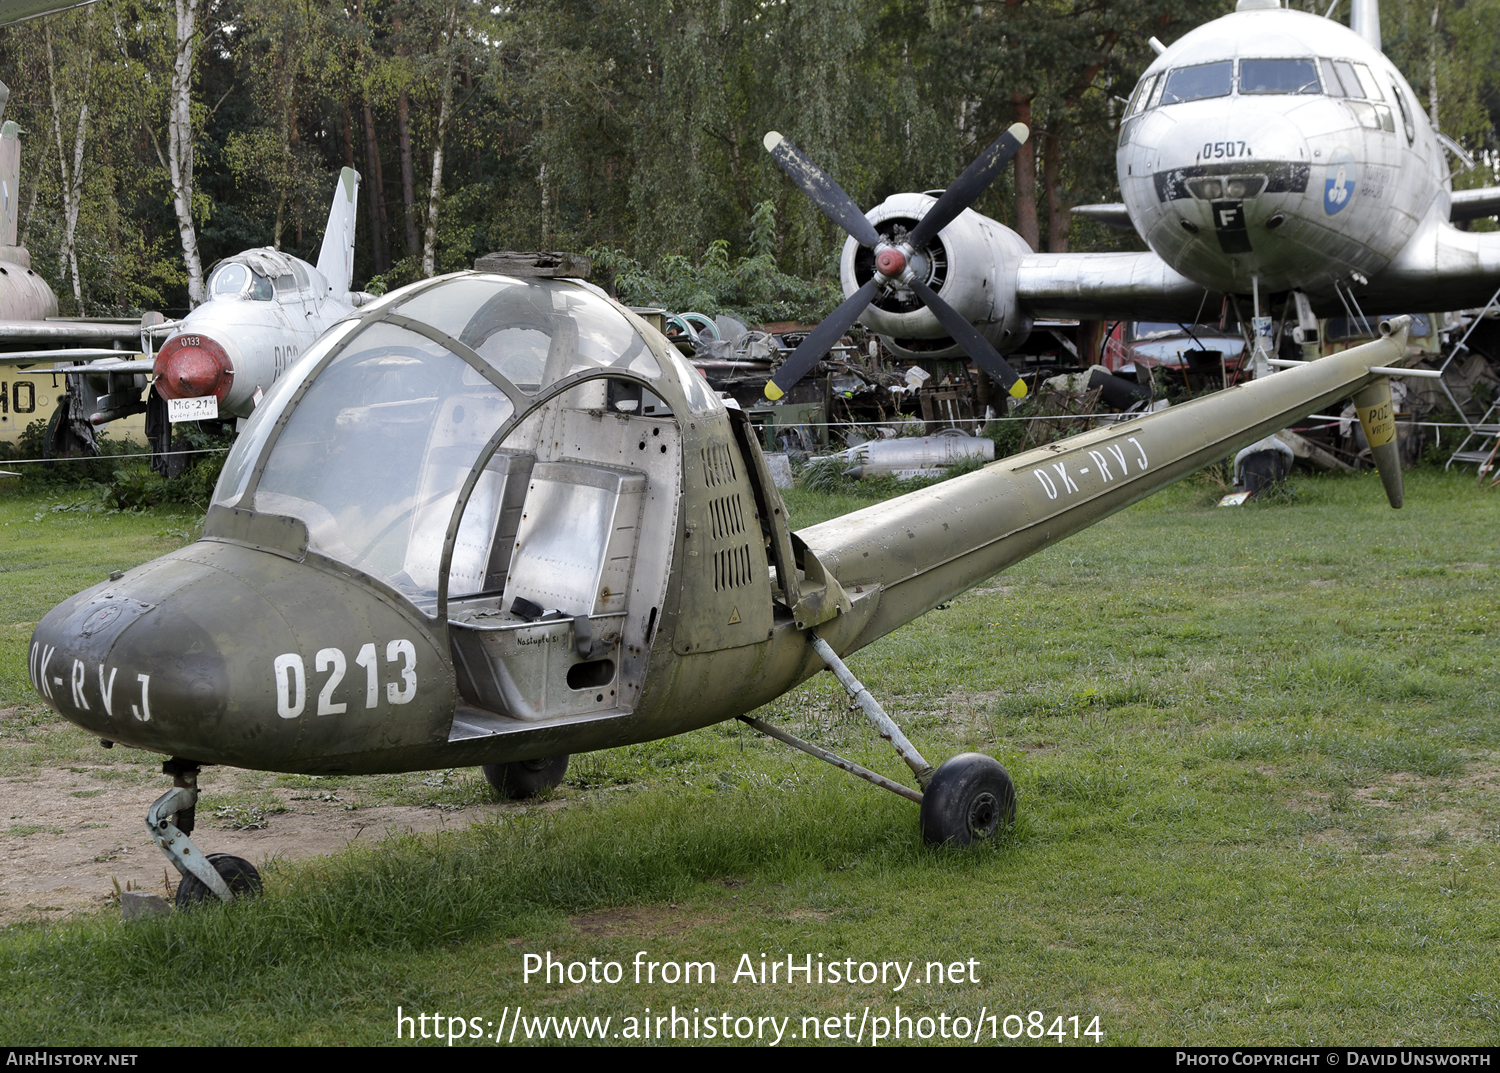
{"x":965,"y":800}
{"x":171,"y":819}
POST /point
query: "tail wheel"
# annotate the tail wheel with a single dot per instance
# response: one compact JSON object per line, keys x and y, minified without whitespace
{"x":968,"y":800}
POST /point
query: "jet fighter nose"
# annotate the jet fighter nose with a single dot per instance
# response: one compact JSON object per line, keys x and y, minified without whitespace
{"x":193,"y":365}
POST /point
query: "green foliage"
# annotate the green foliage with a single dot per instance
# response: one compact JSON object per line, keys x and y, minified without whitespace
{"x":135,"y":486}
{"x":126,"y":483}
{"x":825,"y":476}
{"x":88,"y":473}
{"x":750,"y":287}
{"x":577,"y":125}
{"x":1008,"y":434}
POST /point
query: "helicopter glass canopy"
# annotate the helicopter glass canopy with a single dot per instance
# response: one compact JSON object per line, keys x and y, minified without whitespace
{"x":375,"y":453}
{"x":533,"y":332}
{"x":370,"y":437}
{"x":235,"y":475}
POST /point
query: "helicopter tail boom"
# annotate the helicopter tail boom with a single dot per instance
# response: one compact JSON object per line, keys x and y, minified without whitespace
{"x":928,"y":546}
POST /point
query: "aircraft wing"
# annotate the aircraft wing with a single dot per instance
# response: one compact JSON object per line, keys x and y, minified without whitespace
{"x":1110,"y":286}
{"x":1440,"y":268}
{"x":78,"y":361}
{"x":1113,"y":215}
{"x":19,"y":333}
{"x":1475,"y":204}
{"x":29,"y":342}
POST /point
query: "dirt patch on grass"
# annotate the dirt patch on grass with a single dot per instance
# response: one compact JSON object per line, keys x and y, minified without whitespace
{"x":1421,"y":817}
{"x":72,"y":834}
{"x":643,"y":921}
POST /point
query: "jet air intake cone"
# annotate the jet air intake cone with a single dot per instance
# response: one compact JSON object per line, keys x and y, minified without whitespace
{"x":192,"y":367}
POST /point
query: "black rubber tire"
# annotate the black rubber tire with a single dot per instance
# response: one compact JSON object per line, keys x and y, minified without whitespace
{"x":968,"y":800}
{"x":240,"y":874}
{"x":526,"y":778}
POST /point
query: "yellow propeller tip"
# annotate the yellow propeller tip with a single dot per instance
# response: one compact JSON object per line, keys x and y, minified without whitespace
{"x":772,"y":391}
{"x":771,"y":140}
{"x":1018,"y":389}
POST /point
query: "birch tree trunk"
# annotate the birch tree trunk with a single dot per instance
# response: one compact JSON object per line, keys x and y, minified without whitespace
{"x":180,"y":144}
{"x":435,"y":191}
{"x":403,"y":133}
{"x":72,"y":177}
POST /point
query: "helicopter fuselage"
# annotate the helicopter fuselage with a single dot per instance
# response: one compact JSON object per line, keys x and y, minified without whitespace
{"x":426,"y":552}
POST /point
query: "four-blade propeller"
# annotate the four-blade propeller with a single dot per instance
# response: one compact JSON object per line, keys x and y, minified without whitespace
{"x":893,"y":260}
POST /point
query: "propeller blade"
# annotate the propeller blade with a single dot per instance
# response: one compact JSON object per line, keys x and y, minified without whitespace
{"x":968,"y":186}
{"x":820,"y":340}
{"x":826,"y":194}
{"x":968,"y":337}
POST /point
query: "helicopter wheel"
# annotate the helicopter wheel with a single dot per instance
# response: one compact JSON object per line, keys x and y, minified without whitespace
{"x":968,"y":799}
{"x":240,"y":874}
{"x":526,"y":778}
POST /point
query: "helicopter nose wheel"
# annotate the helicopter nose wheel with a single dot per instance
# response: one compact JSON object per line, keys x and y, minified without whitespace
{"x":170,"y":820}
{"x":238,"y":874}
{"x":969,"y":798}
{"x":526,"y":778}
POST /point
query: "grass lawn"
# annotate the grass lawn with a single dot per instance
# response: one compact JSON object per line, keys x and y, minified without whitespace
{"x":1258,"y":759}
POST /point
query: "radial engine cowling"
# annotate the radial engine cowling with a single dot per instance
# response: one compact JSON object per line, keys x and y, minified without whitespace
{"x":971,"y":263}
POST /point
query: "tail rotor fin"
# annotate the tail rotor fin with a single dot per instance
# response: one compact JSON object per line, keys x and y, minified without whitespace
{"x":1378,"y":419}
{"x":10,"y":175}
{"x":336,"y":258}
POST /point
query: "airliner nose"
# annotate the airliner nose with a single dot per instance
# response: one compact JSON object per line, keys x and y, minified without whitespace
{"x":193,"y":365}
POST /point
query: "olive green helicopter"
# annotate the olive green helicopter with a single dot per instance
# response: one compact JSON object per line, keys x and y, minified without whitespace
{"x":495,"y":521}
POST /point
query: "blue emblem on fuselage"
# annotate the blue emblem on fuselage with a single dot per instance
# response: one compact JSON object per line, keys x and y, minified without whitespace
{"x":1338,"y":182}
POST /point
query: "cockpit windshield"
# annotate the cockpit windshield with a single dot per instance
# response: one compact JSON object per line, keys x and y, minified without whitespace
{"x":1196,"y":83}
{"x":235,"y":280}
{"x":1254,"y":77}
{"x":1278,"y":76}
{"x":374,"y":454}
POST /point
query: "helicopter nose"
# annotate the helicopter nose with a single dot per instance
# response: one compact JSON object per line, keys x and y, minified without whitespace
{"x":228,"y":654}
{"x":193,"y":365}
{"x":124,"y":659}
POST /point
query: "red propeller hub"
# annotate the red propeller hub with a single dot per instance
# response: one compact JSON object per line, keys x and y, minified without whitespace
{"x":190,"y":366}
{"x":890,"y":261}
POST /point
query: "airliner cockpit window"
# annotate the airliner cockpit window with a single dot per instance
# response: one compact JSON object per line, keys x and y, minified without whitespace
{"x":1368,"y":83}
{"x":1348,"y":78}
{"x":1197,"y":83}
{"x":1330,"y":79}
{"x":1142,"y":95}
{"x":1278,"y":76}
